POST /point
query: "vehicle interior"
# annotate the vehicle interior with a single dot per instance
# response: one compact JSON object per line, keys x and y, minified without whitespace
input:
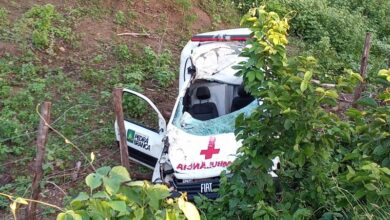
{"x":208,"y":100}
{"x":211,"y":107}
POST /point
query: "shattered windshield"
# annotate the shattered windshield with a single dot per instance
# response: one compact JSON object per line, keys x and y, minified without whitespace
{"x":220,"y":125}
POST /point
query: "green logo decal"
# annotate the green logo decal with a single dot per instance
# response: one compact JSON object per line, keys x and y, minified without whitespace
{"x":130,"y":135}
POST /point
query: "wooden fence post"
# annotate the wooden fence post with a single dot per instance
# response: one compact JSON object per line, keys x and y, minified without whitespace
{"x":117,"y":93}
{"x":38,"y":170}
{"x":363,"y":68}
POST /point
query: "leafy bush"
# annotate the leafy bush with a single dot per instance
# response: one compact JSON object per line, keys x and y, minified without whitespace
{"x":122,"y":52}
{"x":120,"y":18}
{"x":159,"y":66}
{"x":328,"y":166}
{"x":42,"y":24}
{"x":121,"y":198}
{"x":334,"y":30}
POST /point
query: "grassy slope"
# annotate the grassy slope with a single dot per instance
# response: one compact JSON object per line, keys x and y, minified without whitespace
{"x":72,"y":56}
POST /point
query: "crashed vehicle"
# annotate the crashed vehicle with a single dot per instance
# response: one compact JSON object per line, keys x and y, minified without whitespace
{"x":198,"y":143}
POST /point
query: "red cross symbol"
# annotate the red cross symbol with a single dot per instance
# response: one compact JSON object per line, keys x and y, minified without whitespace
{"x":208,"y":154}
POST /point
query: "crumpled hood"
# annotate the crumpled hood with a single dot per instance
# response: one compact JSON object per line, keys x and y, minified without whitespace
{"x":197,"y":157}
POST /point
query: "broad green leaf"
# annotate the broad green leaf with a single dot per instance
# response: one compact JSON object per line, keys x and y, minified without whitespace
{"x":69,"y":215}
{"x":121,"y":173}
{"x":103,"y":170}
{"x":320,"y":90}
{"x":354,"y":113}
{"x":384,"y":73}
{"x":61,"y":216}
{"x":308,"y":75}
{"x":156,"y":193}
{"x":188,"y":209}
{"x":370,"y":187}
{"x":357,"y":76}
{"x":76,"y":216}
{"x":81,"y":197}
{"x":251,"y":76}
{"x":259,"y":76}
{"x":139,"y":213}
{"x":367,"y":101}
{"x":385,"y":170}
{"x":304,"y":85}
{"x":119,"y":206}
{"x":139,"y":183}
{"x":93,"y":181}
{"x":332,"y":94}
{"x":111,"y":184}
{"x":351,"y":172}
{"x":384,"y":192}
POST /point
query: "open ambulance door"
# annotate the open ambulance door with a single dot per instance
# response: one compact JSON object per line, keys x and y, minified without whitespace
{"x":145,"y":128}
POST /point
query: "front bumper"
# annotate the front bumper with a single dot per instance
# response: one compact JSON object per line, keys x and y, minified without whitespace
{"x":205,"y":187}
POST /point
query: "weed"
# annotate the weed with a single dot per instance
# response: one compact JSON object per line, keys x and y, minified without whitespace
{"x":159,"y":66}
{"x":93,"y":76}
{"x":190,"y":19}
{"x":98,"y":58}
{"x":132,"y":14}
{"x":3,"y":17}
{"x":42,"y":25}
{"x":91,"y":8}
{"x":120,"y":18}
{"x":221,"y":11}
{"x":185,"y":5}
{"x":133,"y":74}
{"x":122,"y":52}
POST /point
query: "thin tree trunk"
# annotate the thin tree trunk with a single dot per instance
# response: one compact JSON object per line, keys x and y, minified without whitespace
{"x":38,"y":170}
{"x":117,"y":94}
{"x":363,"y":68}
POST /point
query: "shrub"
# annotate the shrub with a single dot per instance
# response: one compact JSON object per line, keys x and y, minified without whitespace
{"x":122,"y":198}
{"x":42,"y":24}
{"x":120,"y":18}
{"x":328,"y":166}
{"x":122,"y":52}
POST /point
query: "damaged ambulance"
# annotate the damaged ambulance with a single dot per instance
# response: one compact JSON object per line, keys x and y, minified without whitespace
{"x":190,"y":151}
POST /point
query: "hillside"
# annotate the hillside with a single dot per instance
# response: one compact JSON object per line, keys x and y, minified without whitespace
{"x":70,"y":53}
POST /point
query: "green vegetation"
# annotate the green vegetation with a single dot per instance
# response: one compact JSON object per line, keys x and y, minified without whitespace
{"x":42,"y":25}
{"x":332,"y":166}
{"x":120,"y":18}
{"x":184,"y":4}
{"x":69,"y":54}
{"x":122,"y":198}
{"x":220,"y":11}
{"x":334,"y":30}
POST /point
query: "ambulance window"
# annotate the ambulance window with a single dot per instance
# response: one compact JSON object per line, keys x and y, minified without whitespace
{"x":138,"y":111}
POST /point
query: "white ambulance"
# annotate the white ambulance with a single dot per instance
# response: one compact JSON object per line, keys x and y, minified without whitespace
{"x":198,"y":142}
